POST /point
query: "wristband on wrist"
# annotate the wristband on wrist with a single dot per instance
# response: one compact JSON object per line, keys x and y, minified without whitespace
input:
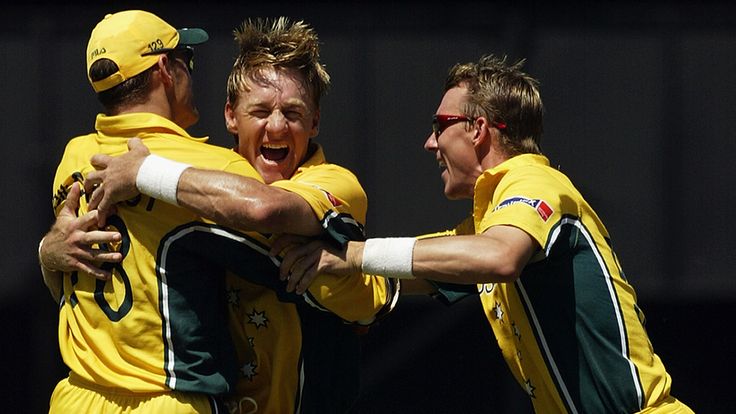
{"x":389,"y":257}
{"x":158,"y":177}
{"x":40,"y":245}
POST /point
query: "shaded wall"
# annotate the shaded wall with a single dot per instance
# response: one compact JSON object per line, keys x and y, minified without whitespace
{"x":639,"y":113}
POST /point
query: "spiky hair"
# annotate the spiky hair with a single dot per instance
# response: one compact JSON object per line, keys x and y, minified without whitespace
{"x":280,"y":44}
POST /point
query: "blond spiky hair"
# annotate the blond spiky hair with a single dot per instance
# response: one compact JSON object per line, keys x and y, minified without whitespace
{"x":280,"y":44}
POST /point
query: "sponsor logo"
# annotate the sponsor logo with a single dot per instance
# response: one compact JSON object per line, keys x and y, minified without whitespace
{"x":543,"y":209}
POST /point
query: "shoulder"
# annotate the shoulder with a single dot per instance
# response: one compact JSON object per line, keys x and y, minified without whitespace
{"x":326,"y":172}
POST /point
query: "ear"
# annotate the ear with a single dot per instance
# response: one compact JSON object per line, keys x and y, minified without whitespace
{"x":482,"y":134}
{"x":315,"y":124}
{"x":166,"y":77}
{"x":231,"y":122}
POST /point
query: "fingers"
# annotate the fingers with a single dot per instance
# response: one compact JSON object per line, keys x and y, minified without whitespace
{"x":136,"y":145}
{"x":94,"y":199}
{"x":306,"y":280}
{"x":93,"y":180}
{"x":72,"y":201}
{"x":303,"y":272}
{"x":85,"y":222}
{"x":89,"y":260}
{"x":100,"y":237}
{"x":98,"y":202}
{"x":301,"y":265}
{"x":100,"y":161}
{"x":286,"y":241}
{"x":94,"y":271}
{"x":293,"y":255}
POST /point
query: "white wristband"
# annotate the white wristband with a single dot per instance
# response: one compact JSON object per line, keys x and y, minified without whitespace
{"x":40,"y":245}
{"x":158,"y":177}
{"x":390,"y":257}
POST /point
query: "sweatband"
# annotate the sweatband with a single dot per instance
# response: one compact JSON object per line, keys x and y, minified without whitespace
{"x":389,"y":257}
{"x":40,"y":245}
{"x":158,"y":177}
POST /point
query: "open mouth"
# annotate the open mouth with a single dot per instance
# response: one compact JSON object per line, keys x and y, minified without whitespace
{"x":274,"y":153}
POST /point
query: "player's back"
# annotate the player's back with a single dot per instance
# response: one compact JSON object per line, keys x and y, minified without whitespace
{"x":160,"y":322}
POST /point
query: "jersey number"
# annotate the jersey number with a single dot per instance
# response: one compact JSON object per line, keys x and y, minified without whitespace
{"x":116,"y":269}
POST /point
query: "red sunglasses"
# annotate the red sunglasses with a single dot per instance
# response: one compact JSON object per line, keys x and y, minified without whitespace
{"x":442,"y":122}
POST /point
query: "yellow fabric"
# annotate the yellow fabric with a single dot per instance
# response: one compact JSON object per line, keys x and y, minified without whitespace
{"x":122,"y":334}
{"x":123,"y":38}
{"x":529,"y":316}
{"x":266,"y":331}
{"x":71,"y":396}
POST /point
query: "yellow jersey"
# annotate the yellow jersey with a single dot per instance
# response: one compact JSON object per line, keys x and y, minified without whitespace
{"x":301,"y":353}
{"x":569,"y":327}
{"x":156,"y":325}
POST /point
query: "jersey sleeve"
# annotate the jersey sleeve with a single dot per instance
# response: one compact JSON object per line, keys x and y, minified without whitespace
{"x":528,"y":198}
{"x":340,"y":203}
{"x":336,"y":197}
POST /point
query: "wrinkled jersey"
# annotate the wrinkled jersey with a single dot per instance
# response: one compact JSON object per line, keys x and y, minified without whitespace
{"x":301,"y":354}
{"x":569,"y":327}
{"x":156,"y":325}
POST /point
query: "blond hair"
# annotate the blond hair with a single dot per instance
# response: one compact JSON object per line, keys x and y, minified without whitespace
{"x":501,"y":92}
{"x":277,"y":44}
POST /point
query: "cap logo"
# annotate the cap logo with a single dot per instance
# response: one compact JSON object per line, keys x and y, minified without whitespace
{"x":97,"y":52}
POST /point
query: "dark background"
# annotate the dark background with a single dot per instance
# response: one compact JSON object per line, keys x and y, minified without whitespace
{"x":639,"y":113}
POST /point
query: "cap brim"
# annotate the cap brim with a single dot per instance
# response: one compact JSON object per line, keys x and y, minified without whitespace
{"x":191,"y":37}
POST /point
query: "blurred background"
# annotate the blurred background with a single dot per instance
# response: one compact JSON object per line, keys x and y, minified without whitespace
{"x":640,"y":114}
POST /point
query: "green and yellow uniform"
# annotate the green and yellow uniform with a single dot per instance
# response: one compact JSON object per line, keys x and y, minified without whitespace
{"x":569,"y":327}
{"x":160,"y":324}
{"x":301,"y":354}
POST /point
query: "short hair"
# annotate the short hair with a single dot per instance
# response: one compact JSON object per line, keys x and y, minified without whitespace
{"x":130,"y":92}
{"x":279,"y":44}
{"x":503,"y":93}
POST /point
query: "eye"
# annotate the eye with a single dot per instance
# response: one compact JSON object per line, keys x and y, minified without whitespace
{"x":293,"y":115}
{"x":260,"y":113}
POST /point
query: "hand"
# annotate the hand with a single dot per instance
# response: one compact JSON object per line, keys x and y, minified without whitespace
{"x":114,"y":178}
{"x":67,"y":247}
{"x":305,"y":260}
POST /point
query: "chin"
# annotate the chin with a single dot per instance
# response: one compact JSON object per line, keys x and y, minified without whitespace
{"x":454,"y":193}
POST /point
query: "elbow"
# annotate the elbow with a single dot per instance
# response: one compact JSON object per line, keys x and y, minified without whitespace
{"x":264,"y":217}
{"x":501,"y":269}
{"x":508,"y":272}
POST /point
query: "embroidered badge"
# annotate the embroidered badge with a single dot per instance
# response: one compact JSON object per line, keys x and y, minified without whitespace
{"x":543,"y":209}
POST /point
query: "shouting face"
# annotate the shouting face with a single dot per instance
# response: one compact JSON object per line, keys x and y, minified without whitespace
{"x":274,"y":118}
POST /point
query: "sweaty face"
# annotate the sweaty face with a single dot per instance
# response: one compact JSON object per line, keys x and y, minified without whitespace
{"x":274,"y":119}
{"x":454,"y":150}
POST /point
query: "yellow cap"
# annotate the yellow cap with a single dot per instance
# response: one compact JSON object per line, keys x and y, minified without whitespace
{"x":133,"y":39}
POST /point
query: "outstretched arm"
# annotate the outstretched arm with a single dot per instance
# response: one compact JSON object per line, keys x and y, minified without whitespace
{"x":69,"y":245}
{"x":497,"y":255}
{"x":228,"y":199}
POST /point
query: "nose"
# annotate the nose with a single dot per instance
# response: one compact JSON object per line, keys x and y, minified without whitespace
{"x":431,"y":143}
{"x":276,"y":122}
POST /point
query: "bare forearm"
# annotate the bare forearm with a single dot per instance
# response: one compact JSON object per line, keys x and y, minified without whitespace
{"x":499,"y":255}
{"x":245,"y":203}
{"x":463,"y":259}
